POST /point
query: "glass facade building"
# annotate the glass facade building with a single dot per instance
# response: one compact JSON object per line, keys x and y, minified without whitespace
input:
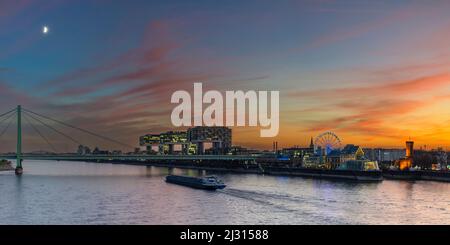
{"x":197,"y":140}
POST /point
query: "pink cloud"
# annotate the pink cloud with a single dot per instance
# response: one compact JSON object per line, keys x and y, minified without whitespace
{"x":373,"y":111}
{"x":393,"y":88}
{"x":360,"y":29}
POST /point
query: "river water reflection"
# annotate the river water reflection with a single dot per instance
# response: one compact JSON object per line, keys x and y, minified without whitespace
{"x":53,"y":192}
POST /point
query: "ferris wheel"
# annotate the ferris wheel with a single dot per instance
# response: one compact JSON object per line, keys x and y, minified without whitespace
{"x":327,"y":141}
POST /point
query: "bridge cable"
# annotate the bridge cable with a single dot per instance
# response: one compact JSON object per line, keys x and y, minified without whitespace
{"x":7,"y":117}
{"x":6,"y":113}
{"x":7,"y":126}
{"x":39,"y":133}
{"x":83,"y":130}
{"x":52,"y":128}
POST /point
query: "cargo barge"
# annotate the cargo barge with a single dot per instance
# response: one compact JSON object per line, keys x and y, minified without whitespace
{"x":354,"y":170}
{"x":208,"y":182}
{"x":401,"y":175}
{"x":435,"y":175}
{"x":352,"y":175}
{"x":443,"y":176}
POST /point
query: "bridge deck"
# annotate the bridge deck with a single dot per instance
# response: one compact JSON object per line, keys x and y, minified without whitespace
{"x":131,"y":157}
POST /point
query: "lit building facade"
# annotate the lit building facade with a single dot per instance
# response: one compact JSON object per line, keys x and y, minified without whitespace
{"x":349,"y":152}
{"x":359,"y":165}
{"x":171,"y":142}
{"x":149,"y":139}
{"x":197,"y":140}
{"x":406,"y":163}
{"x":298,"y":152}
{"x":384,"y":155}
{"x":210,"y":140}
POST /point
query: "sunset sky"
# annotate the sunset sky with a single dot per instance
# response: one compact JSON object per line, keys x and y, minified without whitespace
{"x":373,"y":72}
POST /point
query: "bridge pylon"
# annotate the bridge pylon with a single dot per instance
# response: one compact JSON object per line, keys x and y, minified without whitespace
{"x":19,"y":168}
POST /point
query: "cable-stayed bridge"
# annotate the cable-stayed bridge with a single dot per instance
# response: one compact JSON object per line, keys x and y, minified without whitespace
{"x":32,"y":118}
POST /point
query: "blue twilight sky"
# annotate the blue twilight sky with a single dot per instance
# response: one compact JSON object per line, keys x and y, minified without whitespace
{"x":372,"y":71}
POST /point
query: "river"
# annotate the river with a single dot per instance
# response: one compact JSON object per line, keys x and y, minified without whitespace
{"x":62,"y":192}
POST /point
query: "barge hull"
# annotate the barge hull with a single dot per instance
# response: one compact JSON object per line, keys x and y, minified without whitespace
{"x":363,"y":176}
{"x":417,"y":175}
{"x":193,"y":185}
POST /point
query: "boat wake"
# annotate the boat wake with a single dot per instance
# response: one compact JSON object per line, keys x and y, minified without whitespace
{"x":266,"y":198}
{"x":302,"y":209}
